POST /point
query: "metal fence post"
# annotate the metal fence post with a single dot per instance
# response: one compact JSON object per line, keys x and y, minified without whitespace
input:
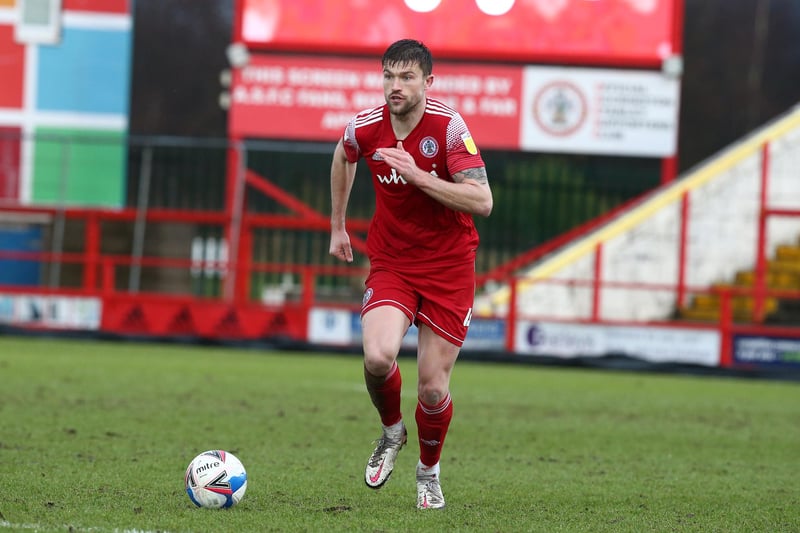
{"x":236,"y":204}
{"x":145,"y":171}
{"x":57,"y":245}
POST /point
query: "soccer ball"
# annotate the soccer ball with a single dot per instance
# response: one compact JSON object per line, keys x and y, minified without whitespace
{"x":215,"y":479}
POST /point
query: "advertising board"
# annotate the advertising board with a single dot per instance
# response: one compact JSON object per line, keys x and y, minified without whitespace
{"x":312,"y":98}
{"x":51,"y":312}
{"x":532,"y":108}
{"x":652,"y":344}
{"x":766,"y":350}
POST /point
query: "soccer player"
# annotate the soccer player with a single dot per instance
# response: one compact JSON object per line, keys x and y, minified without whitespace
{"x":429,"y":180}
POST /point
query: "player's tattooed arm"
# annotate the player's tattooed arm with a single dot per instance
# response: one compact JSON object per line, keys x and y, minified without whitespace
{"x":470,"y":192}
{"x":477,"y":174}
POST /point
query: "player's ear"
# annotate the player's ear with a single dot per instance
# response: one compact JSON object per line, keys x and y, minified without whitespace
{"x":429,"y":81}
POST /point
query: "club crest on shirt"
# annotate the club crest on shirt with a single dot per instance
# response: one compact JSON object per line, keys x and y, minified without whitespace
{"x":469,"y":143}
{"x":367,"y":296}
{"x":429,"y":147}
{"x":377,"y":157}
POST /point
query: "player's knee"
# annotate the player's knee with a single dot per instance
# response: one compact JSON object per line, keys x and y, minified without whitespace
{"x":378,"y":359}
{"x":378,"y":368}
{"x":431,"y":394}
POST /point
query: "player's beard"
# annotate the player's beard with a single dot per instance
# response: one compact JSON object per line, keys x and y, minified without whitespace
{"x":405,"y":107}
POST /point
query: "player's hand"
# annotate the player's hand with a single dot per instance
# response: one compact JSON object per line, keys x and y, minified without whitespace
{"x":401,"y":161}
{"x":340,"y":246}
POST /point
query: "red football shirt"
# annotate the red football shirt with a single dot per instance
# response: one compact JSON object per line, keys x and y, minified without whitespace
{"x":410,"y":228}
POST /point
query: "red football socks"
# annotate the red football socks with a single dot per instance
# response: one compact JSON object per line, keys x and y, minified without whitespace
{"x":432,"y":424}
{"x":385,"y":394}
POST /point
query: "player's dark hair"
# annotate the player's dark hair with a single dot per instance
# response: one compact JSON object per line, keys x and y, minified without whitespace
{"x":409,"y":51}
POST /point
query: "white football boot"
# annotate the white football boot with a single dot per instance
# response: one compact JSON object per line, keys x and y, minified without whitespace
{"x":429,"y":491}
{"x":381,"y":462}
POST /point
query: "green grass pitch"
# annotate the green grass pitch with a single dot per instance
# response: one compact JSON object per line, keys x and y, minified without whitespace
{"x":95,"y":437}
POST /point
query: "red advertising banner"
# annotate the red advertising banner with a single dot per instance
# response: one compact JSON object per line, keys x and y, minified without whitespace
{"x":313,"y":98}
{"x":607,"y":32}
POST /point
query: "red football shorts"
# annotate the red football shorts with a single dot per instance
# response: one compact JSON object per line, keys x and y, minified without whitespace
{"x":441,"y":299}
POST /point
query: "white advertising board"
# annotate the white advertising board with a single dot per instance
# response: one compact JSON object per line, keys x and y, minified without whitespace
{"x":57,"y":312}
{"x":599,"y":111}
{"x":330,"y":326}
{"x":655,"y":344}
